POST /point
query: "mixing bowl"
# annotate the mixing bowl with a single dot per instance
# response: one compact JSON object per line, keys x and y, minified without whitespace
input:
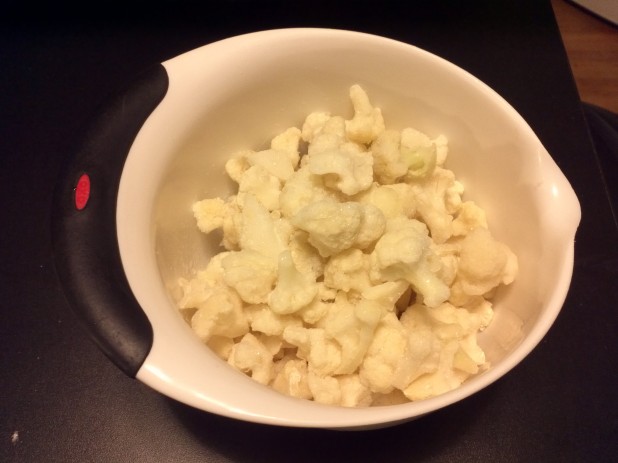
{"x":124,"y":232}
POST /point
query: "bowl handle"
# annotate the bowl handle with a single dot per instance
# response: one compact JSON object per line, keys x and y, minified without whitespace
{"x":85,"y":244}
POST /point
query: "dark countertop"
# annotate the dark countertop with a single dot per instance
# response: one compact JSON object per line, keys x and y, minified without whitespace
{"x":61,"y":400}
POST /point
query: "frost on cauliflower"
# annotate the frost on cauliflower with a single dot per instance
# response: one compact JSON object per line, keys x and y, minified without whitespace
{"x":352,"y":273}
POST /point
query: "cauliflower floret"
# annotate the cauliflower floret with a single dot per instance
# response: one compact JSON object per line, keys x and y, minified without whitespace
{"x":404,"y":252}
{"x":418,"y":152}
{"x":319,"y":307}
{"x":449,"y":258}
{"x":324,"y":389}
{"x":388,"y":166}
{"x":322,"y":353}
{"x":393,"y":200}
{"x":441,"y":143}
{"x":251,"y":274}
{"x":215,"y":213}
{"x":263,"y":320}
{"x":302,"y":189}
{"x":199,"y":288}
{"x":210,"y":213}
{"x":444,"y":379}
{"x":367,"y":122}
{"x":314,"y":124}
{"x":330,"y":136}
{"x":256,"y":181}
{"x":354,"y":393}
{"x":437,"y":198}
{"x":454,"y":333}
{"x":288,"y":142}
{"x":382,"y":362}
{"x":221,"y":314}
{"x":484,"y":263}
{"x":387,"y":294}
{"x":345,"y":171}
{"x":409,"y":155}
{"x":260,"y":232}
{"x":292,"y":378}
{"x":252,"y":356}
{"x":237,"y":165}
{"x":306,"y":258}
{"x":351,"y":332}
{"x":276,"y":163}
{"x":279,"y":161}
{"x":470,"y":217}
{"x":372,"y":226}
{"x":332,"y":226}
{"x":293,"y":290}
{"x":348,"y":270}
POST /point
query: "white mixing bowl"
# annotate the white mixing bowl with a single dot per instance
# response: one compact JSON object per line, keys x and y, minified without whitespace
{"x":238,"y":93}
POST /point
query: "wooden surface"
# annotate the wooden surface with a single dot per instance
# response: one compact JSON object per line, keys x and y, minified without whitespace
{"x":592,"y":47}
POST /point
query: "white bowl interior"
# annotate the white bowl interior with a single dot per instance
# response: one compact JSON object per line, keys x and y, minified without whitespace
{"x":239,"y":93}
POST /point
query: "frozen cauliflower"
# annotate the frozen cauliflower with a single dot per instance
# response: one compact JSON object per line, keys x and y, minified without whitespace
{"x":352,"y":272}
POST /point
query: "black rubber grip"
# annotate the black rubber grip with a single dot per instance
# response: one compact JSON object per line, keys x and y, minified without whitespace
{"x":84,"y":235}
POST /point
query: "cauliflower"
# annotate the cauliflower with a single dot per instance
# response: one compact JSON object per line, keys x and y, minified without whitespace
{"x":418,"y":152}
{"x":382,"y":364}
{"x":200,"y":287}
{"x":456,"y":354}
{"x":470,"y":216}
{"x":252,"y":356}
{"x":314,"y":124}
{"x":292,"y":379}
{"x":306,"y":258}
{"x":276,"y":163}
{"x":263,"y":320}
{"x":404,"y":252}
{"x":215,"y":213}
{"x":260,"y":184}
{"x":287,"y":143}
{"x":394,"y":200}
{"x":484,"y":263}
{"x":332,"y":226}
{"x":409,"y":155}
{"x":260,"y":232}
{"x":322,"y":354}
{"x":348,"y":172}
{"x":372,"y":226}
{"x":437,"y":198}
{"x":353,"y":274}
{"x":250,"y":273}
{"x":220,"y":314}
{"x":324,"y":133}
{"x":367,"y":122}
{"x":293,"y":290}
{"x":302,"y":189}
{"x":351,"y":333}
{"x":388,"y":166}
{"x":325,"y":389}
{"x":348,"y":270}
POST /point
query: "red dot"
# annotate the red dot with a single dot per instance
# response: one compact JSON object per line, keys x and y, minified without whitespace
{"x":82,"y":192}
